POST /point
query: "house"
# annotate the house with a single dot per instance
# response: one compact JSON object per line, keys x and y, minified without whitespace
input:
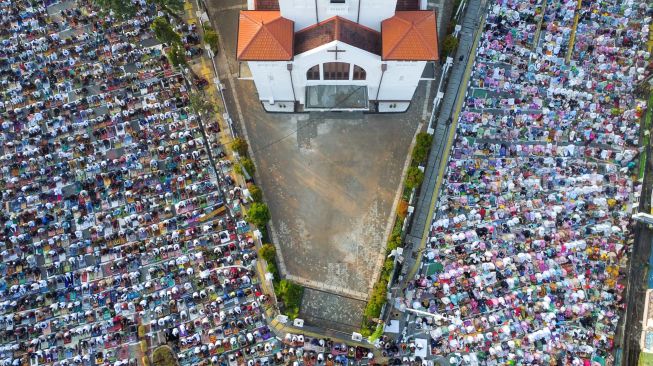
{"x":336,"y":55}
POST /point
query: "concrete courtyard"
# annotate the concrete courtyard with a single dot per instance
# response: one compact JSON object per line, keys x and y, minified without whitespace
{"x":331,"y":181}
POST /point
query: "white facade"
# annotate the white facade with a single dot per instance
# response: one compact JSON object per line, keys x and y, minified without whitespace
{"x":273,"y":80}
{"x":305,"y":13}
{"x":287,"y":38}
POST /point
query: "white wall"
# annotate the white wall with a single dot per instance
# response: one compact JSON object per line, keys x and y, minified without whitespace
{"x":401,"y":79}
{"x":302,"y":12}
{"x":272,"y":80}
{"x":352,"y":55}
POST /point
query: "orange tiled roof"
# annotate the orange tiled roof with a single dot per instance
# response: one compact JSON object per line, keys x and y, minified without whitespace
{"x":341,"y":29}
{"x":264,"y":36}
{"x":410,"y":36}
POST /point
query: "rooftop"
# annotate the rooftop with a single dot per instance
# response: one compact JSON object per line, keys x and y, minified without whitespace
{"x":410,"y":36}
{"x":407,"y":5}
{"x":267,"y":4}
{"x":339,"y":29}
{"x":264,"y":35}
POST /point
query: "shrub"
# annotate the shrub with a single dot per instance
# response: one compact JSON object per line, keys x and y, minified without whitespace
{"x":272,"y":268}
{"x":248,"y":164}
{"x":240,"y":146}
{"x":268,"y":252}
{"x":377,"y":333}
{"x":378,"y":296}
{"x":387,"y":267}
{"x":163,"y":31}
{"x":177,"y":56}
{"x":414,"y":177}
{"x":238,"y":169}
{"x":164,"y":356}
{"x":255,"y":191}
{"x":449,"y":45}
{"x":422,"y":147}
{"x":377,"y":299}
{"x":402,"y":209}
{"x":258,"y":214}
{"x":211,"y":38}
{"x":291,"y":296}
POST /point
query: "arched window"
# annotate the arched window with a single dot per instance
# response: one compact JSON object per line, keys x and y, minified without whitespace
{"x":359,"y":73}
{"x":336,"y":70}
{"x":313,"y":73}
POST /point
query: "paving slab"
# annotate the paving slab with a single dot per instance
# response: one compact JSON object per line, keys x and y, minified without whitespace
{"x":330,"y":311}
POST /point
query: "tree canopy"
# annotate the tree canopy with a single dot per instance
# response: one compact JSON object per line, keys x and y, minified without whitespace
{"x":255,"y":191}
{"x":258,"y":214}
{"x":240,"y":146}
{"x":422,"y":146}
{"x":267,"y":252}
{"x":177,"y":56}
{"x":211,"y":38}
{"x":449,"y":45}
{"x":199,"y":104}
{"x":414,"y":177}
{"x":164,"y":356}
{"x":163,"y":31}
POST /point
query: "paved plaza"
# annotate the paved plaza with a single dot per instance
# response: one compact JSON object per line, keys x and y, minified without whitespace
{"x":330,"y":179}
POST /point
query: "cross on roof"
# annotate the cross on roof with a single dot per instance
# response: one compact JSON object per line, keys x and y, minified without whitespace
{"x":336,"y":51}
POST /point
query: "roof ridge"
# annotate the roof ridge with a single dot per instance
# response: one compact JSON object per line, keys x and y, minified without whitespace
{"x":249,"y":42}
{"x":264,"y":28}
{"x":421,"y":36}
{"x":398,"y":42}
{"x":260,"y":25}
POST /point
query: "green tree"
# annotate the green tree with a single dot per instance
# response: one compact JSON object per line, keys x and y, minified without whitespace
{"x":267,"y":252}
{"x":258,"y":214}
{"x":291,"y":296}
{"x":414,"y":177}
{"x":449,"y":45}
{"x":255,"y":191}
{"x":199,"y":104}
{"x":240,"y":146}
{"x":422,"y":146}
{"x":377,"y":299}
{"x":177,"y":56}
{"x":248,"y":164}
{"x":211,"y":38}
{"x":164,"y":33}
{"x":164,"y":356}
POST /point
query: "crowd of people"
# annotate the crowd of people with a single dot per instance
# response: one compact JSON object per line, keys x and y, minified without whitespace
{"x":525,"y":259}
{"x":117,"y":235}
{"x":121,"y":226}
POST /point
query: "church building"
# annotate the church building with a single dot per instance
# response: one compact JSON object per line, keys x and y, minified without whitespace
{"x":336,"y":55}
